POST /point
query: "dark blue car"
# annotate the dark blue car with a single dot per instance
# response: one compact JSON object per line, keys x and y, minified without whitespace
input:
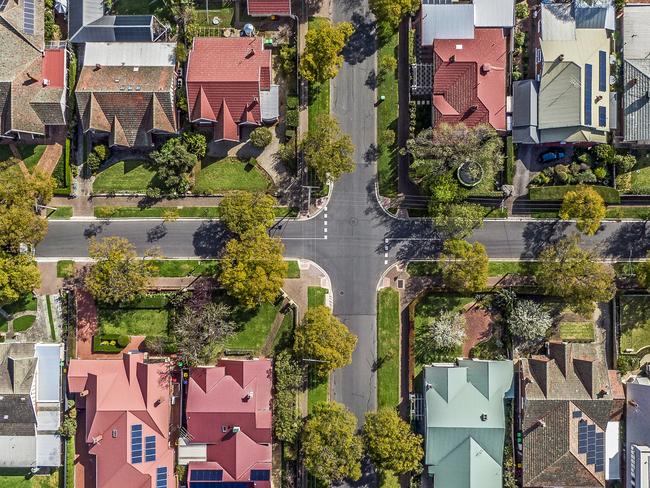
{"x":552,"y":156}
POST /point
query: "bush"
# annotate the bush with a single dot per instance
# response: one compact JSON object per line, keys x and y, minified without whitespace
{"x":94,"y":162}
{"x":291,"y":119}
{"x":292,"y":102}
{"x":520,"y":39}
{"x":624,"y":162}
{"x":521,"y":10}
{"x":600,"y":173}
{"x":160,"y":345}
{"x":110,"y":343}
{"x":388,"y":137}
{"x":287,"y":56}
{"x":101,"y":151}
{"x":510,"y":160}
{"x":261,"y":137}
{"x":516,"y":74}
{"x":195,"y":144}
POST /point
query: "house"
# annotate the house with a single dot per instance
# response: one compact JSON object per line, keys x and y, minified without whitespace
{"x":32,"y":76}
{"x":87,"y":23}
{"x":636,"y":74}
{"x":228,"y":413}
{"x":637,"y":433}
{"x":230,"y":95}
{"x":464,"y":422}
{"x":463,"y":61}
{"x":124,"y":413}
{"x":569,"y":420}
{"x":30,"y":405}
{"x":125,"y":92}
{"x":266,"y":8}
{"x":571,"y":86}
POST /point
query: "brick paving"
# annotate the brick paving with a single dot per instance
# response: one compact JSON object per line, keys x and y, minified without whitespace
{"x":50,"y":158}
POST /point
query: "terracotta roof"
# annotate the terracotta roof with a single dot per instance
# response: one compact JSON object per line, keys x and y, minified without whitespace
{"x":226,"y":127}
{"x":243,"y":69}
{"x":120,"y":393}
{"x":54,"y":67}
{"x":269,"y":7}
{"x":469,"y":81}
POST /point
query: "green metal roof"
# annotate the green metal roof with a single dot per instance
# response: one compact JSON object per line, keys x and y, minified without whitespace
{"x":465,"y":422}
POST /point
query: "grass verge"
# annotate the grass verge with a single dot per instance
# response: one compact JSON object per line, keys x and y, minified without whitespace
{"x":64,"y":268}
{"x":387,"y":113}
{"x":556,"y":193}
{"x":293,"y":270}
{"x":316,"y":296}
{"x":61,"y":213}
{"x":388,"y":357}
{"x":176,"y":268}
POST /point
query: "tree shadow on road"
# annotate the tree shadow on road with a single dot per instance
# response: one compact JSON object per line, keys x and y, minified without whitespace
{"x":362,"y":42}
{"x":538,"y":235}
{"x":630,"y":240}
{"x":93,"y":230}
{"x":210,"y":239}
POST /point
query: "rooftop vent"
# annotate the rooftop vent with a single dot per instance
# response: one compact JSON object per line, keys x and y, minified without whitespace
{"x":5,"y":417}
{"x":114,"y":433}
{"x":98,"y":66}
{"x":136,"y":68}
{"x":98,"y":439}
{"x":249,"y":396}
{"x":138,"y":88}
{"x":452,"y":58}
{"x":46,"y":82}
{"x":484,"y":417}
{"x":633,"y":403}
{"x":83,"y":393}
{"x":560,"y":57}
{"x":428,"y":386}
{"x":235,"y":429}
{"x":541,"y":423}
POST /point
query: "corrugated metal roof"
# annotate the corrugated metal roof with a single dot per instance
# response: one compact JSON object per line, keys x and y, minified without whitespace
{"x":596,"y":17}
{"x":49,"y":372}
{"x":130,"y":54}
{"x":447,"y":22}
{"x":560,"y":95}
{"x":636,"y":29}
{"x":636,"y":74}
{"x":494,"y":13}
{"x":524,"y":112}
{"x":269,"y":103}
{"x":83,"y":12}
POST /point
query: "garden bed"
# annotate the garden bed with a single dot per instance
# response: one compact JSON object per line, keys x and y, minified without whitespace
{"x":110,"y":343}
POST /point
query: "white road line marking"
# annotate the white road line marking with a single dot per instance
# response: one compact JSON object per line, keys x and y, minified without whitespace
{"x":303,"y":238}
{"x":325,"y":223}
{"x":385,"y":262}
{"x":385,"y":254}
{"x":325,"y":230}
{"x":325,"y":237}
{"x":325,"y":215}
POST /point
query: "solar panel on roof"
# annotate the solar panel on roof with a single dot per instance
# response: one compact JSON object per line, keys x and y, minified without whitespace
{"x":3,"y":4}
{"x":602,"y":71}
{"x":150,"y":448}
{"x":161,"y":477}
{"x":577,"y":414}
{"x":28,"y":17}
{"x":225,"y":484}
{"x":582,"y":437}
{"x":588,"y":94}
{"x":136,"y":444}
{"x":206,"y":475}
{"x":260,"y":475}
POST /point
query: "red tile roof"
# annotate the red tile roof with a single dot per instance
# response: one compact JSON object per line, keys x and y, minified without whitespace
{"x":242,"y":70}
{"x":269,"y":7}
{"x":117,"y":394}
{"x":54,"y":67}
{"x":232,"y":394}
{"x":469,"y":82}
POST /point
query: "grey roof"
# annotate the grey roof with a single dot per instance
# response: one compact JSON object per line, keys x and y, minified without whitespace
{"x":18,"y":451}
{"x":48,"y":388}
{"x":524,"y":126}
{"x":560,"y":95}
{"x":130,"y":54}
{"x":636,"y":73}
{"x":613,"y":110}
{"x":117,"y":28}
{"x":636,"y":31}
{"x":17,"y":368}
{"x":558,"y":23}
{"x":83,"y":12}
{"x":269,"y":103}
{"x":595,"y":17}
{"x":17,"y":417}
{"x":48,"y":450}
{"x":455,"y":21}
{"x":494,"y":13}
{"x":637,"y":427}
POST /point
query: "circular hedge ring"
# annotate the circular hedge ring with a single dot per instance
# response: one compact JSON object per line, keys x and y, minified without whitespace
{"x":470,"y":173}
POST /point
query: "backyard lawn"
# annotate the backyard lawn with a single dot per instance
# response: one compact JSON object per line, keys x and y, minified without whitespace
{"x":222,"y":175}
{"x":225,"y":15}
{"x":134,"y":321}
{"x":23,"y":323}
{"x":25,"y":303}
{"x":255,"y":329}
{"x":388,"y":348}
{"x":31,"y":154}
{"x":577,"y":331}
{"x":137,"y":7}
{"x":635,"y":322}
{"x":22,"y":478}
{"x":124,"y":176}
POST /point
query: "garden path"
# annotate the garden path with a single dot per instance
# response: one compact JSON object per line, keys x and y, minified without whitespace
{"x":50,"y":158}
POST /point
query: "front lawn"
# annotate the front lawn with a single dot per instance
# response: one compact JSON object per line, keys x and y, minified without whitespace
{"x":173,"y":268}
{"x":223,"y":175}
{"x":134,"y":321}
{"x":388,"y":357}
{"x":23,"y":478}
{"x":317,"y":393}
{"x":129,"y":176}
{"x":23,"y":323}
{"x":31,"y":154}
{"x":635,"y":321}
{"x":111,"y":212}
{"x":65,"y":268}
{"x":387,"y":113}
{"x":61,"y":213}
{"x":577,"y":331}
{"x":556,"y":193}
{"x":293,"y":270}
{"x":23,"y":304}
{"x":254,"y":328}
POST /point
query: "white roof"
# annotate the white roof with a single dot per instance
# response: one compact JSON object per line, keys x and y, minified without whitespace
{"x":453,"y":21}
{"x":130,"y":54}
{"x":48,"y":388}
{"x":494,"y":13}
{"x":48,"y":450}
{"x":612,"y":452}
{"x":558,"y":23}
{"x":636,"y":28}
{"x":269,"y":103}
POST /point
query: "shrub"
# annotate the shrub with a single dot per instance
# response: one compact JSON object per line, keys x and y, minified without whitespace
{"x":516,"y":74}
{"x":261,"y":137}
{"x":110,"y":343}
{"x":520,"y":39}
{"x":160,"y":345}
{"x":624,"y":162}
{"x":101,"y":151}
{"x":291,"y":119}
{"x":287,"y":57}
{"x":600,"y":173}
{"x":292,"y":102}
{"x":388,"y":137}
{"x":604,"y":153}
{"x":195,"y":144}
{"x":521,"y":10}
{"x":68,"y":427}
{"x":94,"y":162}
{"x":562,"y":173}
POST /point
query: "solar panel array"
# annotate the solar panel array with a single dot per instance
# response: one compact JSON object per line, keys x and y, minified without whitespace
{"x":221,"y":484}
{"x":592,"y":444}
{"x":588,"y":94}
{"x":161,"y":477}
{"x":206,"y":475}
{"x":3,"y":4}
{"x":28,"y":17}
{"x":136,"y":443}
{"x":602,"y":71}
{"x":260,"y":475}
{"x":150,"y":448}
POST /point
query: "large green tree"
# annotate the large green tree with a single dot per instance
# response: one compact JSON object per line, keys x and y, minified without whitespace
{"x":118,"y":274}
{"x":327,"y":150}
{"x":18,"y":275}
{"x":389,"y":13}
{"x":244,"y":211}
{"x":457,"y":220}
{"x":464,"y":265}
{"x":324,"y":338}
{"x":172,"y":163}
{"x":288,"y":378}
{"x":444,"y":332}
{"x":331,"y":448}
{"x":586,"y":206}
{"x":322,"y":57}
{"x":252,"y":269}
{"x":567,"y":271}
{"x":390,"y":442}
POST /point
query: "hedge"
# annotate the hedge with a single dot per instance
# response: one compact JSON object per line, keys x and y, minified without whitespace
{"x":66,"y":188}
{"x":292,"y":119}
{"x":154,"y":301}
{"x":169,"y":345}
{"x":114,"y":343}
{"x":510,"y":161}
{"x":556,"y":193}
{"x":292,"y":102}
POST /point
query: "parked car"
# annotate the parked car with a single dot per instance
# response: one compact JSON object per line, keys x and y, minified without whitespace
{"x":552,"y":155}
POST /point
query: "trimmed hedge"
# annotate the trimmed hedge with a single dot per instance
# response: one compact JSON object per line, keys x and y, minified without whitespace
{"x":292,"y":119}
{"x":65,"y":182}
{"x":110,"y":343}
{"x":155,"y":302}
{"x":510,"y":160}
{"x":556,"y":193}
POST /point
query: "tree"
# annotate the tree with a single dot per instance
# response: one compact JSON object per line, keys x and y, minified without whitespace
{"x":327,"y":150}
{"x":521,"y":10}
{"x":445,"y":190}
{"x":389,"y":13}
{"x":322,"y":58}
{"x":18,"y":275}
{"x":574,"y":274}
{"x":118,"y":274}
{"x":195,"y":143}
{"x":586,"y":206}
{"x":252,"y":270}
{"x":387,"y":64}
{"x":324,"y":338}
{"x":464,"y":265}
{"x":459,"y":219}
{"x":243,"y":211}
{"x":170,"y":215}
{"x":643,"y":273}
{"x":287,"y":56}
{"x":444,"y":332}
{"x":173,"y":163}
{"x":331,"y":448}
{"x":528,"y":321}
{"x":390,"y":443}
{"x":200,"y":331}
{"x":261,"y":137}
{"x":288,"y":377}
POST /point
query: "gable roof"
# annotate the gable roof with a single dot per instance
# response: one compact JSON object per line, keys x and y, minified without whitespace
{"x":465,"y":422}
{"x":636,"y":73}
{"x":265,"y":8}
{"x":524,"y":113}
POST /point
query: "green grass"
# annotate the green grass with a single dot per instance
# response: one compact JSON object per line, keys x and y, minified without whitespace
{"x":556,"y":193}
{"x":293,"y":270}
{"x":61,"y":213}
{"x":31,"y":154}
{"x":316,"y":296}
{"x":551,"y":214}
{"x":23,"y":323}
{"x":284,"y":338}
{"x":642,"y":213}
{"x":319,"y":96}
{"x":317,"y":393}
{"x":22,"y":478}
{"x":137,"y":7}
{"x":126,"y":321}
{"x":129,"y":176}
{"x":3,"y":324}
{"x":641,"y":180}
{"x":106,"y":212}
{"x":65,"y":268}
{"x":223,"y":175}
{"x":500,"y":268}
{"x":254,"y":331}
{"x":175,"y":268}
{"x":225,"y":15}
{"x":26,"y":303}
{"x":286,"y":212}
{"x":69,"y":462}
{"x":577,"y":331}
{"x":387,"y":113}
{"x":635,"y":322}
{"x":388,"y":348}
{"x":50,"y":317}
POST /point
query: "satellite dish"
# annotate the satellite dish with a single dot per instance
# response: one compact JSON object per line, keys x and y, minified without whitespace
{"x":248,"y":30}
{"x":216,"y":20}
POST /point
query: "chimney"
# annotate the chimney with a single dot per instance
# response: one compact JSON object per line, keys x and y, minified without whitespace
{"x":46,"y":82}
{"x":598,"y":98}
{"x":84,"y":393}
{"x":250,"y":53}
{"x":98,"y":66}
{"x":560,"y":57}
{"x":633,"y":403}
{"x":541,"y":423}
{"x":452,"y":58}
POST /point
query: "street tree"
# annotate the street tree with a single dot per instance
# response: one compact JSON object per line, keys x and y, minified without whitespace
{"x":18,"y":275}
{"x":172,"y":164}
{"x":643,"y":272}
{"x":244,"y":211}
{"x":390,"y":443}
{"x":324,"y":340}
{"x":464,"y":265}
{"x":567,"y":271}
{"x":322,"y":57}
{"x":389,"y":13}
{"x":457,"y":220}
{"x":586,"y":206}
{"x":252,"y":269}
{"x":327,"y":150}
{"x":528,"y":321}
{"x":331,"y":448}
{"x":118,"y":274}
{"x":443,"y":332}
